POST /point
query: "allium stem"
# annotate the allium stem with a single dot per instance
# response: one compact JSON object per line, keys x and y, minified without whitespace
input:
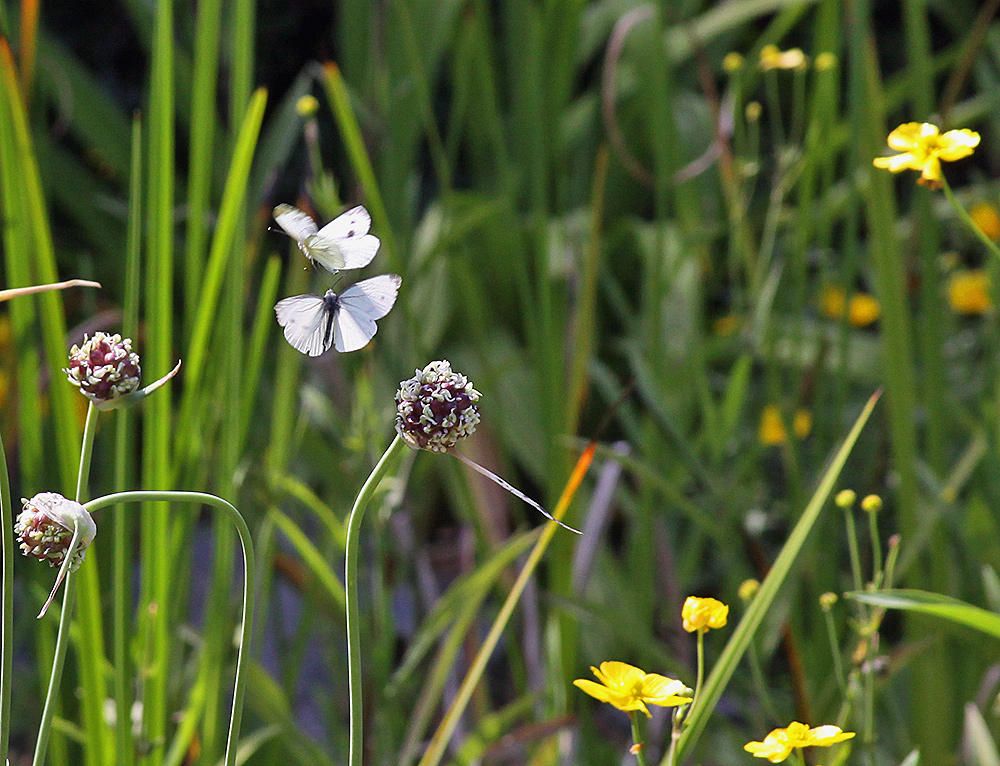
{"x":395,"y":449}
{"x":69,"y":596}
{"x":249,"y":566}
{"x":6,"y":632}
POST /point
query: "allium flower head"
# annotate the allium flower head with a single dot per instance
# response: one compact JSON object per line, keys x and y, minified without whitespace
{"x":923,"y":147}
{"x":778,"y":745}
{"x":104,"y":367}
{"x":703,"y":613}
{"x":436,"y":408}
{"x":45,"y":528}
{"x":628,"y":688}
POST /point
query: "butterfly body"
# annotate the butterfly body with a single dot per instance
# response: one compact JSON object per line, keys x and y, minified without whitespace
{"x":346,"y":321}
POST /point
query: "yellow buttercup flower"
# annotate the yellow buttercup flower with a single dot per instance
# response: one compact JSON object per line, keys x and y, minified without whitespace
{"x":969,"y":292}
{"x":703,"y":613}
{"x":778,"y":745}
{"x":832,"y":301}
{"x":772,"y":57}
{"x":924,"y":147}
{"x":628,"y":688}
{"x":987,"y":219}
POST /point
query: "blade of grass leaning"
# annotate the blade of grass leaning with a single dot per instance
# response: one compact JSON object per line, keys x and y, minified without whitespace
{"x":230,"y":213}
{"x":263,"y":321}
{"x":200,"y":168}
{"x":6,"y":604}
{"x":340,"y":101}
{"x":934,"y":604}
{"x":314,"y":560}
{"x":740,"y":640}
{"x":32,"y":207}
{"x":156,"y":576}
{"x":432,"y":756}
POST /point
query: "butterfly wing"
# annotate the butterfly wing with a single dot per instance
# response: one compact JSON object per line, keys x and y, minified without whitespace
{"x":305,"y":321}
{"x":359,"y":306}
{"x":344,"y":243}
{"x":296,"y":224}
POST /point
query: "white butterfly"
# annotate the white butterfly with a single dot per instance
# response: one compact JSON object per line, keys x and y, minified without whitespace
{"x":347,"y":321}
{"x":344,"y":243}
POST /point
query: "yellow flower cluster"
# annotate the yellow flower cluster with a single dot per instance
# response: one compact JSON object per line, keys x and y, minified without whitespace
{"x":862,"y":309}
{"x":778,"y":745}
{"x":772,"y":57}
{"x":923,"y":147}
{"x":771,"y":431}
{"x":628,"y":688}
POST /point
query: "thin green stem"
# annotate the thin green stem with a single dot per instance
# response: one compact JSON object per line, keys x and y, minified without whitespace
{"x":58,"y":659}
{"x":876,"y":548}
{"x":991,"y":246}
{"x":6,"y":629}
{"x":638,"y":737}
{"x":852,"y":547}
{"x":86,"y":452}
{"x":838,"y":664}
{"x":228,"y":509}
{"x":351,"y":588}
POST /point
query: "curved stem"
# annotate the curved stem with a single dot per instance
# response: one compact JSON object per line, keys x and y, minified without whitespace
{"x":69,"y":596}
{"x":239,"y":688}
{"x":351,"y":589}
{"x":7,"y":609}
{"x":967,"y":220}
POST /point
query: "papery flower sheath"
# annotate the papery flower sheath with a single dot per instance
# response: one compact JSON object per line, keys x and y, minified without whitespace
{"x":628,"y":688}
{"x":45,"y":529}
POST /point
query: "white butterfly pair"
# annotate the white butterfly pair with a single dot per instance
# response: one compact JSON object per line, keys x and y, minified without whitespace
{"x":346,"y":321}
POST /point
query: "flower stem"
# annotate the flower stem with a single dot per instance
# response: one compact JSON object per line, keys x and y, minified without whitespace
{"x":6,"y":632}
{"x":351,"y":589}
{"x":246,"y":627}
{"x":638,"y":737}
{"x":967,"y":220}
{"x":69,"y":596}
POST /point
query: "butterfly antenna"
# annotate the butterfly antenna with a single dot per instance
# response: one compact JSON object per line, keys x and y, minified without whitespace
{"x":513,"y":490}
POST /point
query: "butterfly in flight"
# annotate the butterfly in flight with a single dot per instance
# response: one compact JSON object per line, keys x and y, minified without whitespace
{"x":346,"y":321}
{"x":344,"y":243}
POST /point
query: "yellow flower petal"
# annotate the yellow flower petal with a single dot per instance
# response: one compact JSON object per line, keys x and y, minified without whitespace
{"x":824,"y":736}
{"x":703,"y":613}
{"x":663,"y":691}
{"x":956,"y":144}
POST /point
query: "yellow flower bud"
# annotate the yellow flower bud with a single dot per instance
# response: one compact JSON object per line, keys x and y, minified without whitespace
{"x":827,"y":600}
{"x":732,"y":62}
{"x":752,"y":111}
{"x":307,"y":106}
{"x":969,"y":292}
{"x":701,"y":614}
{"x":748,"y":589}
{"x":845,"y":498}
{"x":987,"y":219}
{"x":825,"y":61}
{"x":871,"y":504}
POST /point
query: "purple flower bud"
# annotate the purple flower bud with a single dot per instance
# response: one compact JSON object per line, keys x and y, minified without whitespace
{"x":436,"y":408}
{"x":104,"y":367}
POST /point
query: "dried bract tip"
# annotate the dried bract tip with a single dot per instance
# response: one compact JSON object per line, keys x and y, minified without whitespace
{"x":104,"y":367}
{"x":46,"y":525}
{"x":436,"y":408}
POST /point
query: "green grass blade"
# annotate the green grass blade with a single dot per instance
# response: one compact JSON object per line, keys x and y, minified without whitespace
{"x":934,"y":604}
